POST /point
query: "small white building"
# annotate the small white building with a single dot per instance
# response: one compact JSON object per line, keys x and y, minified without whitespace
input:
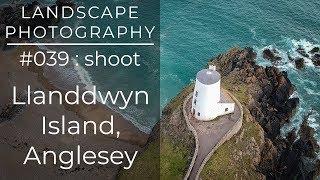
{"x":206,"y":103}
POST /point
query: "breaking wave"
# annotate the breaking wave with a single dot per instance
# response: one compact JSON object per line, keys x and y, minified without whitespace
{"x":306,"y":80}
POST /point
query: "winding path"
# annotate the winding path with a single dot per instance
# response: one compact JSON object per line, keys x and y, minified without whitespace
{"x":210,"y":135}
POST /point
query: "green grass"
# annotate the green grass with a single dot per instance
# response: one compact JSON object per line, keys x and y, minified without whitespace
{"x":234,"y":159}
{"x":146,"y":166}
{"x":172,"y":163}
{"x":227,"y":163}
{"x":176,"y":147}
{"x":173,"y":160}
{"x":239,"y":90}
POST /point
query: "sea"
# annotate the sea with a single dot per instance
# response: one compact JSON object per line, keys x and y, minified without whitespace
{"x":194,"y":31}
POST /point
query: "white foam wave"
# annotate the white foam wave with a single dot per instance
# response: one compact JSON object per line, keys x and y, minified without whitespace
{"x":312,"y":92}
{"x":286,"y":63}
{"x":307,"y":46}
{"x":306,"y":83}
{"x":294,"y":95}
{"x":312,"y":119}
{"x":84,"y":75}
{"x":130,"y":111}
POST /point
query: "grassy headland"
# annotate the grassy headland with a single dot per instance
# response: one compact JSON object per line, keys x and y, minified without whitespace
{"x":175,"y":143}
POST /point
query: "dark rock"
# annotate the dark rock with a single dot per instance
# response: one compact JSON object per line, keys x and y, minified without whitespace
{"x":288,"y":108}
{"x":307,"y":140}
{"x":271,"y":55}
{"x":269,"y":87}
{"x":299,"y":62}
{"x":248,"y":53}
{"x":316,"y":59}
{"x":314,"y":50}
{"x":268,"y":156}
{"x":291,"y":137}
{"x":301,"y":51}
{"x":299,"y":158}
{"x":272,"y":107}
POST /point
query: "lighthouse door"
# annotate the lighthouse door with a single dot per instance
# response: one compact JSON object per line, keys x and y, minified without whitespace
{"x":193,"y":112}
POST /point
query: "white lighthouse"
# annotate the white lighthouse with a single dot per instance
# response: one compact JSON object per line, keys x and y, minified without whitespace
{"x":206,"y":103}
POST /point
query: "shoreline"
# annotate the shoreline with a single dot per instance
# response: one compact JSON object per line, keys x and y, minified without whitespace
{"x":74,"y":74}
{"x":49,"y":85}
{"x":21,"y":127}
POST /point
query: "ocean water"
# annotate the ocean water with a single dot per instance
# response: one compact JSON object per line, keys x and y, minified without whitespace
{"x":193,"y":31}
{"x":120,"y":78}
{"x":145,"y":77}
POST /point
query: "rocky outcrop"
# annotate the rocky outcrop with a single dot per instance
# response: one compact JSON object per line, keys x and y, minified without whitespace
{"x":271,"y":54}
{"x":269,"y":88}
{"x":269,"y":155}
{"x":313,"y":55}
{"x":297,"y":158}
{"x":267,"y":95}
{"x":302,"y":52}
{"x":299,"y":62}
{"x":316,"y":59}
{"x":314,"y":50}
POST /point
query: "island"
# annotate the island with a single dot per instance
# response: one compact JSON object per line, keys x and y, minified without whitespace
{"x":257,"y":150}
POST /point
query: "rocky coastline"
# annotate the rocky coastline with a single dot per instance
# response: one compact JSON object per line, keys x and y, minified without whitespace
{"x":270,"y":103}
{"x":273,"y":55}
{"x":266,"y":96}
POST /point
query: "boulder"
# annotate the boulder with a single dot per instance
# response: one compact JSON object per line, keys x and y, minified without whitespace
{"x":307,"y":140}
{"x":314,"y":50}
{"x":316,"y":59}
{"x":302,"y":52}
{"x":271,"y":55}
{"x":291,"y":137}
{"x":299,"y":62}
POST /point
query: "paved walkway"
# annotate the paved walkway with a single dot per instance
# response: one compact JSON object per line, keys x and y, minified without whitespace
{"x":210,"y":133}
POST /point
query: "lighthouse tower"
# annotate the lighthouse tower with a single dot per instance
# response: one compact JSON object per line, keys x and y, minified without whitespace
{"x":206,"y":103}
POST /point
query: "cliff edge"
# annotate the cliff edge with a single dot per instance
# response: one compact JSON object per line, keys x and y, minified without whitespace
{"x":265,"y":93}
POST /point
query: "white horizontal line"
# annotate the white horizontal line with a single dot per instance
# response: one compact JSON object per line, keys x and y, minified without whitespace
{"x":80,"y":44}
